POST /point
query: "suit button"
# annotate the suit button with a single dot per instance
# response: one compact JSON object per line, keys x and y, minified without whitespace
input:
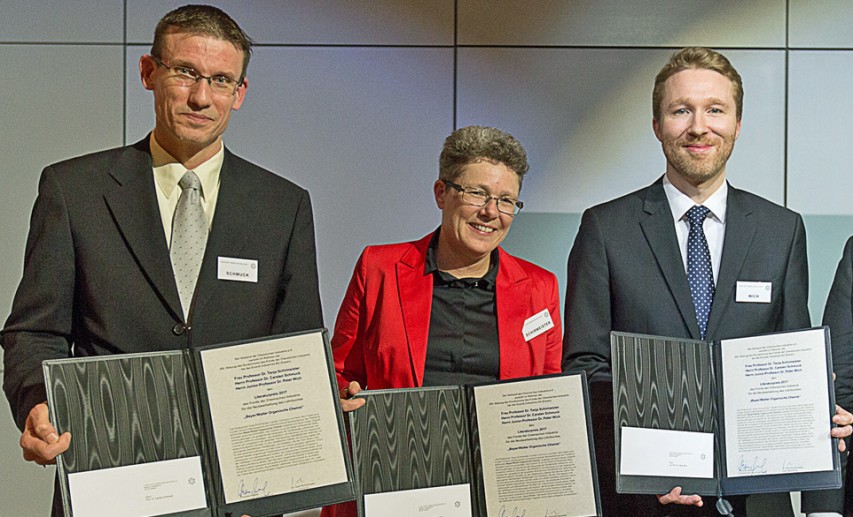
{"x":178,"y":329}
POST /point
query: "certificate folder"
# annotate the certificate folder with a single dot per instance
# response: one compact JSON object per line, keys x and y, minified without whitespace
{"x":736,"y":416}
{"x":520,"y":447}
{"x":252,"y":427}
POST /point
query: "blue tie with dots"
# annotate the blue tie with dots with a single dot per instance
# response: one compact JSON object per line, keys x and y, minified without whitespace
{"x":699,"y":272}
{"x":189,"y":238}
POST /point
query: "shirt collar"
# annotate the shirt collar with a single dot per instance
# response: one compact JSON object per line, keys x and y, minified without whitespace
{"x":168,"y":171}
{"x":488,"y":281}
{"x":680,"y":203}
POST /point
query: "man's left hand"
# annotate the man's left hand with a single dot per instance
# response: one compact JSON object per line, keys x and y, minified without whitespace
{"x":843,"y":420}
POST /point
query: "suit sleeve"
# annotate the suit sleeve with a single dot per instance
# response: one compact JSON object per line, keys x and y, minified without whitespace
{"x":299,"y":303}
{"x":795,"y":309}
{"x":40,"y":324}
{"x":586,"y":344}
{"x":838,"y":314}
{"x":347,"y":346}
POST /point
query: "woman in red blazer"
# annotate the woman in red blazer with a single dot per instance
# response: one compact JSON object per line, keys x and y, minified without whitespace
{"x":386,"y":328}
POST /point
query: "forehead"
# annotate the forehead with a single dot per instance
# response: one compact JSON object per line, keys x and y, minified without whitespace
{"x":202,"y":51}
{"x":496,"y":177}
{"x":697,"y":85}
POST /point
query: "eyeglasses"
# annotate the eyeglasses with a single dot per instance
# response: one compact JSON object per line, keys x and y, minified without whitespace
{"x":477,"y":197}
{"x":186,"y":76}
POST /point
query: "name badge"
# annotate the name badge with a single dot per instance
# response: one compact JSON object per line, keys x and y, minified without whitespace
{"x":237,"y":269}
{"x":537,"y":324}
{"x":753,"y":292}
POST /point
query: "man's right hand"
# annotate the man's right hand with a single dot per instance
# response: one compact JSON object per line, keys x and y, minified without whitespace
{"x":39,"y":440}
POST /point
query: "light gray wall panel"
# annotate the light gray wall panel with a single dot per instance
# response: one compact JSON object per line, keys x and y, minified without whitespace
{"x":821,"y":23}
{"x":584,"y":116}
{"x":71,"y":111}
{"x":69,"y":21}
{"x":360,"y":128}
{"x":820,"y":173}
{"x":362,"y":22}
{"x":729,"y":23}
{"x":26,"y":486}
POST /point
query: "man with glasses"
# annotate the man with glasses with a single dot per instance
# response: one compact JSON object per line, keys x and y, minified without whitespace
{"x":681,"y":258}
{"x":453,"y":307}
{"x":168,"y":243}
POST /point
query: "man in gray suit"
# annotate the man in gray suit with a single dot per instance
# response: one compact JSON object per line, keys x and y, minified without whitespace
{"x":838,"y":314}
{"x":170,"y":243}
{"x":651,"y":263}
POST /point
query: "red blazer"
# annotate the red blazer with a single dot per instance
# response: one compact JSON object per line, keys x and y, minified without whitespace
{"x":382,"y":328}
{"x":381,"y":333}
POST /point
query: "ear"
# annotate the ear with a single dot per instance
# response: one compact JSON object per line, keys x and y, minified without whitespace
{"x":241,"y":94}
{"x":147,"y":67}
{"x":656,"y":129}
{"x":737,"y":131}
{"x":439,"y":189}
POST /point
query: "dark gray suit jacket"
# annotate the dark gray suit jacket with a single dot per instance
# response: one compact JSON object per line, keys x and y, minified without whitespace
{"x":625,"y":273}
{"x":98,"y":279}
{"x":838,"y":314}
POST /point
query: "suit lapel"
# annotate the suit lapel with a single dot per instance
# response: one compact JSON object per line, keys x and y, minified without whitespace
{"x":659,"y":231}
{"x":512,"y":298}
{"x":134,"y":207}
{"x":231,"y":228}
{"x":740,"y":231}
{"x":415,"y":292}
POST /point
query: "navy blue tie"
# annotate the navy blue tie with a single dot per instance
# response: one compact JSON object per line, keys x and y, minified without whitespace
{"x":699,"y":272}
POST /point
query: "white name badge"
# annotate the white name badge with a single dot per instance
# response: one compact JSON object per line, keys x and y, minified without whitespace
{"x":753,"y":292}
{"x":237,"y":269}
{"x":537,"y":324}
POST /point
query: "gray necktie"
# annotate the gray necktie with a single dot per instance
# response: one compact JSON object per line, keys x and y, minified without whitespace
{"x":189,"y":238}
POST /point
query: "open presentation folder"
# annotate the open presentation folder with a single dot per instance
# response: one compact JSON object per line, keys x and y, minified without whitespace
{"x":517,"y":447}
{"x":252,"y":427}
{"x":737,"y":416}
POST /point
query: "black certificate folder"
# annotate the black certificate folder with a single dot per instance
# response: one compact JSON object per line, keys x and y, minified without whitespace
{"x":736,"y":416}
{"x":253,"y":427}
{"x":518,"y":447}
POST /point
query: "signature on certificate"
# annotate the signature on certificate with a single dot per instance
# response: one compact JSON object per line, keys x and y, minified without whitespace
{"x":300,"y":482}
{"x":756,"y":466}
{"x":515,"y":512}
{"x":257,"y":489}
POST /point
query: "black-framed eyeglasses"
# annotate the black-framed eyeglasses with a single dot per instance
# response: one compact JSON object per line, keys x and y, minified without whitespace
{"x":478,"y":197}
{"x":186,"y":76}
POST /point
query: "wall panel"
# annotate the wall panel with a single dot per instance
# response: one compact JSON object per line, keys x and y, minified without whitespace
{"x":820,"y":172}
{"x":313,"y":22}
{"x":614,"y":23}
{"x":69,"y":21}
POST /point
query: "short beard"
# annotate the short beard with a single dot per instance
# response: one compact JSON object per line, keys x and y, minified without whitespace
{"x":695,"y":170}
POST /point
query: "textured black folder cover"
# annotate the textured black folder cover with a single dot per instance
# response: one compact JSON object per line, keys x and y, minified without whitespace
{"x":122,"y":410}
{"x":662,"y":383}
{"x":399,"y":444}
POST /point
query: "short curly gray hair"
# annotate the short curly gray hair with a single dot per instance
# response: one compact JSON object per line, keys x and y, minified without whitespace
{"x":473,"y":144}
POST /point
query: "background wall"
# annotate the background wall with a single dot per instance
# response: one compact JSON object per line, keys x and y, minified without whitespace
{"x":353,"y":98}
